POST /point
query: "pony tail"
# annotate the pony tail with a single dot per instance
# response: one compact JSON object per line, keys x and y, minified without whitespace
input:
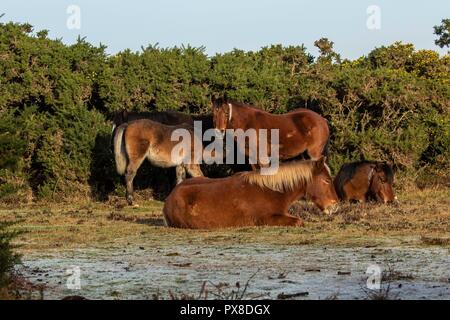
{"x":120,"y":154}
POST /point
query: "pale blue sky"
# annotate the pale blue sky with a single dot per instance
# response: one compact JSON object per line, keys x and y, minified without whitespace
{"x":221,"y":26}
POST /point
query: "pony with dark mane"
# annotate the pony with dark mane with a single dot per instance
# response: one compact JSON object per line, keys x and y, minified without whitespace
{"x":250,"y":198}
{"x":143,"y":139}
{"x":168,"y":117}
{"x":365,"y":180}
{"x":300,"y":130}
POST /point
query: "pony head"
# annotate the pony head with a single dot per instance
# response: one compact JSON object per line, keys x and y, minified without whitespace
{"x":222,"y":112}
{"x":381,"y":184}
{"x":321,"y":189}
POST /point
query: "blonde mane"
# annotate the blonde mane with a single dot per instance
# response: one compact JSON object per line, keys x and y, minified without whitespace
{"x":289,"y":176}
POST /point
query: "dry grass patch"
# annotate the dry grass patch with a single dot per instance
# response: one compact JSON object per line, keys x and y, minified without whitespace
{"x":421,"y":218}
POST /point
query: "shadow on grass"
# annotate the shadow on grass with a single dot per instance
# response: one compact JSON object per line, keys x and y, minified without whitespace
{"x":146,"y":220}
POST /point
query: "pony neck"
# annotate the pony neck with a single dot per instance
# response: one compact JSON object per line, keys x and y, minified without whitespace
{"x":293,"y":195}
{"x":240,"y":115}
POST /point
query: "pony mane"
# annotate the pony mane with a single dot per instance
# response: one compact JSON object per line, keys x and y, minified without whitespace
{"x":289,"y":176}
{"x":387,"y":169}
{"x":242,"y":104}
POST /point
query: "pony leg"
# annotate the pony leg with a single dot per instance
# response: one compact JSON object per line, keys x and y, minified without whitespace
{"x":132,"y":168}
{"x":181,"y":173}
{"x":362,"y":199}
{"x":357,"y":199}
{"x":283,"y":220}
{"x":129,"y":177}
{"x":194,"y":170}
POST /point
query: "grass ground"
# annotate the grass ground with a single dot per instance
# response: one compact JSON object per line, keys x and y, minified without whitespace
{"x":422,"y":218}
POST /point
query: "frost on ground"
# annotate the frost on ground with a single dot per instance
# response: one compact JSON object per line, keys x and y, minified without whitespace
{"x":300,"y":272}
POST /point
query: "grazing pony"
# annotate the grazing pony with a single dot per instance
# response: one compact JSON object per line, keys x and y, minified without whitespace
{"x":146,"y":139}
{"x":365,"y":180}
{"x":299,"y":130}
{"x":250,"y":198}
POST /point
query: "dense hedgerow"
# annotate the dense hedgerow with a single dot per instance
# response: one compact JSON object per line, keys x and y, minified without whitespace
{"x":56,"y":101}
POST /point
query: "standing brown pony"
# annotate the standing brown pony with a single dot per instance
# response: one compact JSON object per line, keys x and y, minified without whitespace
{"x":171,"y":117}
{"x":299,"y":130}
{"x":250,"y":198}
{"x":146,"y":139}
{"x":168,"y":117}
{"x":365,"y":180}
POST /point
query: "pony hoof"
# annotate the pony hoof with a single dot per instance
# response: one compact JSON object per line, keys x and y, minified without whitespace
{"x":130,"y":200}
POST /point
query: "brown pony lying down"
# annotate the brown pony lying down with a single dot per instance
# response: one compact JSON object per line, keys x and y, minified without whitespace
{"x":250,"y":199}
{"x":365,"y":180}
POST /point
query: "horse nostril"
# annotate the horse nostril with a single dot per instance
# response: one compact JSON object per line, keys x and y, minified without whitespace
{"x":333,"y":208}
{"x":394,"y":202}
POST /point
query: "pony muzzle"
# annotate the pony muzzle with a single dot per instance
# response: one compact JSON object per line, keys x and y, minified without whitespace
{"x":394,"y":201}
{"x":220,"y":133}
{"x":331,"y":209}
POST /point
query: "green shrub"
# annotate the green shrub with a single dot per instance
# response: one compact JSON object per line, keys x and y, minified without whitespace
{"x":8,"y":258}
{"x":56,"y":99}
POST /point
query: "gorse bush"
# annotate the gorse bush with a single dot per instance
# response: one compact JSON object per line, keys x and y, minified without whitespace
{"x":8,"y":258}
{"x":56,"y":101}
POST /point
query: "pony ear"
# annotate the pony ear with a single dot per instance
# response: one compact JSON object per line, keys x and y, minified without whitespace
{"x":320,"y":163}
{"x":125,"y":115}
{"x":215,"y":99}
{"x":379,"y":166}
